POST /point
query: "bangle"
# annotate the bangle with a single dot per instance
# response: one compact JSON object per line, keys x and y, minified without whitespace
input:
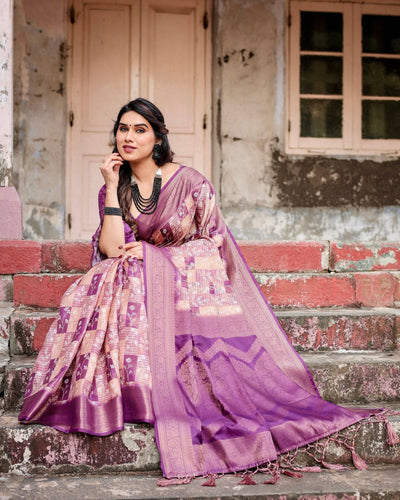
{"x":112,"y":211}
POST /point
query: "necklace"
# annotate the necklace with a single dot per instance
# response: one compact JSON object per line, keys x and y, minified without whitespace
{"x":146,"y":205}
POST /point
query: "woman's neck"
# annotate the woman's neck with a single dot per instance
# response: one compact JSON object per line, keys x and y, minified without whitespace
{"x":144,"y":171}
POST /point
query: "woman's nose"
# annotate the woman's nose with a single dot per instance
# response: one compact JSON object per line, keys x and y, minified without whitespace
{"x":129,"y":135}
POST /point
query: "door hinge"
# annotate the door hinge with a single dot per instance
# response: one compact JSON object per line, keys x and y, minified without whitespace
{"x":205,"y":121}
{"x":69,"y":221}
{"x":72,"y":14}
{"x":289,"y":126}
{"x":205,"y":20}
{"x":71,"y":118}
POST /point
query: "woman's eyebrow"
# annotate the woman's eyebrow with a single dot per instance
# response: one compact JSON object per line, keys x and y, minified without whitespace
{"x":135,"y":125}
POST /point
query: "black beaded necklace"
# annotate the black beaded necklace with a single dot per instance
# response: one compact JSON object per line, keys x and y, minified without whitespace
{"x":147,"y":205}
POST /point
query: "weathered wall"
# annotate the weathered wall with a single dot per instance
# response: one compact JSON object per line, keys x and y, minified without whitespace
{"x":264,"y":193}
{"x":40,"y":115}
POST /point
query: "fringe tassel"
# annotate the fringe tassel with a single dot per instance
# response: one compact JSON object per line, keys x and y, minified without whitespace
{"x":211,"y":480}
{"x":358,"y":461}
{"x":248,"y":479}
{"x":274,"y":479}
{"x":392,"y":436}
{"x":314,"y":468}
{"x":292,"y":473}
{"x":175,"y":480}
{"x":327,"y":465}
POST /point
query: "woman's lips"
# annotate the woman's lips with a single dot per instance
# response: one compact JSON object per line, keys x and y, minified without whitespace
{"x":129,"y":149}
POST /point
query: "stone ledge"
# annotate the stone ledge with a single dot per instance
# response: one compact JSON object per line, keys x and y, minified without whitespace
{"x":19,"y":256}
{"x":38,"y":449}
{"x":375,"y":329}
{"x":341,"y":378}
{"x":376,"y":483}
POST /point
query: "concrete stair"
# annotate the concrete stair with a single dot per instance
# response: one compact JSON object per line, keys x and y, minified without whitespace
{"x":338,"y":303}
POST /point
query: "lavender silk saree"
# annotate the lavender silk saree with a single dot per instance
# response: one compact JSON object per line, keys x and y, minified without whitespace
{"x":185,"y":341}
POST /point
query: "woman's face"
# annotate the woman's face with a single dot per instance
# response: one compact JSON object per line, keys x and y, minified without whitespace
{"x":135,"y":137}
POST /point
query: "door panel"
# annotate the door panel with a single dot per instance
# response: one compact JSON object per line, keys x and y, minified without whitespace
{"x":122,"y":49}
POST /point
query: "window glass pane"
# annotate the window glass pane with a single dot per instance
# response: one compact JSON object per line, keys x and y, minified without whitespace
{"x":381,"y":77}
{"x":381,"y":120}
{"x":321,"y":117}
{"x":321,"y":31}
{"x":381,"y":34}
{"x":321,"y":75}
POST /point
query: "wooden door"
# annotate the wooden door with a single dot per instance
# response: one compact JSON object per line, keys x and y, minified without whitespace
{"x":123,"y":49}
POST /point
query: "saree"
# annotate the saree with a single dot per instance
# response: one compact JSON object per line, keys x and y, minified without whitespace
{"x":184,"y":340}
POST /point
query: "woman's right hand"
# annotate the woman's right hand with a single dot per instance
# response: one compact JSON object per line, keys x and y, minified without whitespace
{"x":110,"y":169}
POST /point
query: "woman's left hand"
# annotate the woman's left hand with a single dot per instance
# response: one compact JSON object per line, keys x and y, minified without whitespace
{"x":134,"y":249}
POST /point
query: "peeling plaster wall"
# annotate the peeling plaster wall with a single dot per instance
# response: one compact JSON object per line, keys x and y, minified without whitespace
{"x":5,"y":94}
{"x":40,"y":115}
{"x":264,"y":193}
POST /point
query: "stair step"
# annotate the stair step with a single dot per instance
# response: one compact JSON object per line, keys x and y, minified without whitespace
{"x":335,"y":329}
{"x":307,"y":329}
{"x":369,"y":289}
{"x":376,"y":482}
{"x":41,"y":290}
{"x":29,"y":328}
{"x":340,"y":377}
{"x":38,"y":449}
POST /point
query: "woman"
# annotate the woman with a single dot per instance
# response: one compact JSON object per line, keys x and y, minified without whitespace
{"x":169,"y":326}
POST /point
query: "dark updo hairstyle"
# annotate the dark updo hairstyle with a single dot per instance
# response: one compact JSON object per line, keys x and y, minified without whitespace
{"x":154,"y":116}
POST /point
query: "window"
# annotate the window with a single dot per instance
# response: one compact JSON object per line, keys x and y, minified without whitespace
{"x":344,"y":78}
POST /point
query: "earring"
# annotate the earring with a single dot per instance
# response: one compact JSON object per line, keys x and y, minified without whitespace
{"x":157,"y":153}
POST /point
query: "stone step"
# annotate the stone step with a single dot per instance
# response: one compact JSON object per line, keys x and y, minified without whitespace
{"x":38,"y":449}
{"x":381,"y":483}
{"x":340,"y":377}
{"x":342,"y":329}
{"x":308,"y":329}
{"x":309,"y":290}
{"x":27,"y":256}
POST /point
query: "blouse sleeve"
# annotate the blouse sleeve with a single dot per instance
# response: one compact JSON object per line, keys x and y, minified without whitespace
{"x":97,"y":256}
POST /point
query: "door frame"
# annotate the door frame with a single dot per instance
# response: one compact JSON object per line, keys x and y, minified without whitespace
{"x":136,"y":90}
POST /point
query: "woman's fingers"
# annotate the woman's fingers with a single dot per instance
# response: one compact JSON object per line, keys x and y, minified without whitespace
{"x":110,"y":167}
{"x":133,"y":249}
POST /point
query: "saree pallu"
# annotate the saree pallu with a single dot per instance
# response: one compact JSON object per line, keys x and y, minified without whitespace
{"x":185,"y":341}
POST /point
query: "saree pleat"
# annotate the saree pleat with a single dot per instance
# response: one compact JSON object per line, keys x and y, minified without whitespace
{"x":184,"y":340}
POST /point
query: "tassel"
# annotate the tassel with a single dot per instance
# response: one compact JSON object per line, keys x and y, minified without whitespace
{"x":392,"y":436}
{"x":327,"y":465}
{"x":292,"y":473}
{"x":273,"y":480}
{"x":314,"y":468}
{"x":210,"y":481}
{"x":247,"y":480}
{"x":358,"y":461}
{"x":175,"y":480}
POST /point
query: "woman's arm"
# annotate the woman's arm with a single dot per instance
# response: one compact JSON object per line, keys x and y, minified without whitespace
{"x":112,"y":235}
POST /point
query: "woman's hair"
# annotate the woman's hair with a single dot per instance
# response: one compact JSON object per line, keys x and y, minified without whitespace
{"x":154,"y":116}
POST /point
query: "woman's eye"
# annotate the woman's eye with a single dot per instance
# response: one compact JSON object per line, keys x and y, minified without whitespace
{"x":140,"y":130}
{"x":123,"y":129}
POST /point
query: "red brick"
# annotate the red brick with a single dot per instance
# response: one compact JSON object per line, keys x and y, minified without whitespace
{"x":19,"y":256}
{"x":288,"y":256}
{"x":375,"y":289}
{"x":365,"y":256}
{"x":309,"y":291}
{"x":6,"y":289}
{"x":66,"y":256}
{"x":28,"y":331}
{"x":345,"y":329}
{"x":43,"y":290}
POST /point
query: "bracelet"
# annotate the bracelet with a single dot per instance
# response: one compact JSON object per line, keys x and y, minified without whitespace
{"x":112,"y":211}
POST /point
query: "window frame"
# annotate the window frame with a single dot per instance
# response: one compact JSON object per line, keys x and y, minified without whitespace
{"x":351,"y":142}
